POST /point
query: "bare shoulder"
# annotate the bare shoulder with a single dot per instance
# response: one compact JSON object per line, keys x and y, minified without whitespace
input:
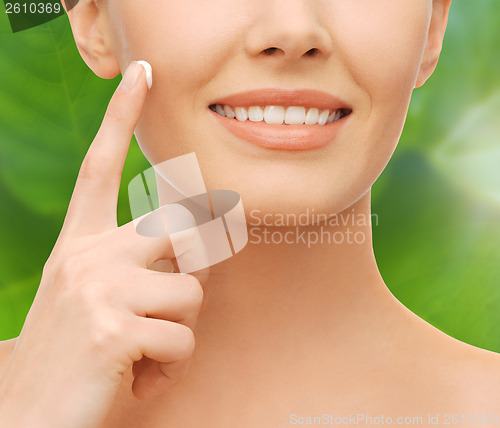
{"x":478,"y":373}
{"x":468,"y":376}
{"x":451,"y":376}
{"x":6,"y":350}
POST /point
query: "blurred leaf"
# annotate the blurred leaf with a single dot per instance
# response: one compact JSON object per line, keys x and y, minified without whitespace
{"x":438,"y":250}
{"x":51,"y":106}
{"x":468,"y":72}
{"x":471,"y":153}
{"x":44,"y":137}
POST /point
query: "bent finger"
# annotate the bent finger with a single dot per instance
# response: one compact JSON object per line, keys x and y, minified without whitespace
{"x":171,"y":297}
{"x":163,"y":341}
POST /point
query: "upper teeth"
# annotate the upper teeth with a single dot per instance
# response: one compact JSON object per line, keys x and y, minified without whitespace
{"x":277,"y":115}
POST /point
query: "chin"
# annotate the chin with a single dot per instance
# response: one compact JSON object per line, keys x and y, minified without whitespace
{"x":265,"y":203}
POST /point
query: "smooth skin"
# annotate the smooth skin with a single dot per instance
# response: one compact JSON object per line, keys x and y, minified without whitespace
{"x":288,"y":329}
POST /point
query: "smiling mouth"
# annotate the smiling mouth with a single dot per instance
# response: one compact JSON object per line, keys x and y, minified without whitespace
{"x":281,"y":115}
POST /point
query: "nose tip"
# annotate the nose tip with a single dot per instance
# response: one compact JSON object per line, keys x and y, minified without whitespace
{"x":290,"y":32}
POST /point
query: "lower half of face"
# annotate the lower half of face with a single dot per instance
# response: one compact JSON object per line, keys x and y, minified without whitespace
{"x":358,"y":60}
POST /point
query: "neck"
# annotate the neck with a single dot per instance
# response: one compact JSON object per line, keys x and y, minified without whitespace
{"x":328,"y":276}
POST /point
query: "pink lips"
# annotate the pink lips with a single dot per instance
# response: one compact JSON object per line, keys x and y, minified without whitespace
{"x":283,"y":137}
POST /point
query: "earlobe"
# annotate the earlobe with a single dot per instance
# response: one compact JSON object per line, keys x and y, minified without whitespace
{"x":93,"y":43}
{"x":437,"y":27}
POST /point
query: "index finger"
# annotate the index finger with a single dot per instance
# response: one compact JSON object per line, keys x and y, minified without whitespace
{"x":93,"y":204}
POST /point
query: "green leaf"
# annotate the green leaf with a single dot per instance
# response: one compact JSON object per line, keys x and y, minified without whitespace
{"x":51,"y":106}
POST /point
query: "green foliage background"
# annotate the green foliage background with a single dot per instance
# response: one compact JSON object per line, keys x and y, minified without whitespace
{"x":438,"y":202}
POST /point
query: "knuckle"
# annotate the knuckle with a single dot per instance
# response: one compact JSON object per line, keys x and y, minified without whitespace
{"x":185,"y":341}
{"x":89,"y":169}
{"x":95,"y":167}
{"x":81,"y":277}
{"x":113,"y":114}
{"x":107,"y":330}
{"x":73,"y":281}
{"x":48,"y":267}
{"x":194,"y":292}
{"x":176,"y":372}
{"x":95,"y":293}
{"x":67,"y":272}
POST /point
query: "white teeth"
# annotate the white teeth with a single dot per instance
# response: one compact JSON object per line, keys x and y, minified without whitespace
{"x":295,"y":115}
{"x":277,"y":115}
{"x":274,"y":115}
{"x":337,"y":115}
{"x":323,"y":117}
{"x":220,"y":110}
{"x":255,"y":114}
{"x":312,"y":116}
{"x":241,"y":114}
{"x":229,"y":112}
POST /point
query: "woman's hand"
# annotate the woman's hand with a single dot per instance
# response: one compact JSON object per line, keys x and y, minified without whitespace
{"x":99,"y":309}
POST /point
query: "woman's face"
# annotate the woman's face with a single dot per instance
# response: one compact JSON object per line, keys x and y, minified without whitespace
{"x":365,"y":53}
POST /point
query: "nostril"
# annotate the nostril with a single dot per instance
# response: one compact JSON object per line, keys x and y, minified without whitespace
{"x":270,"y":51}
{"x":311,"y":52}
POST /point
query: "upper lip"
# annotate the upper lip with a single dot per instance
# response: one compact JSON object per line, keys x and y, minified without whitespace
{"x":283,"y":97}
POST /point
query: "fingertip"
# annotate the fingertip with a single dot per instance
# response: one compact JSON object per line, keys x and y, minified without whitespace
{"x":131,"y":77}
{"x":149,"y":72}
{"x":134,"y":74}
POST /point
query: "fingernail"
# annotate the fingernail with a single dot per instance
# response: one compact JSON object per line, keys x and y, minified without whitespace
{"x":132,"y":76}
{"x":149,"y":72}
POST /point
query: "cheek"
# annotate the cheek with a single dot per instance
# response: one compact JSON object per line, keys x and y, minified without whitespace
{"x":381,"y":47}
{"x":187,"y":51}
{"x":189,"y":46}
{"x":383,"y":43}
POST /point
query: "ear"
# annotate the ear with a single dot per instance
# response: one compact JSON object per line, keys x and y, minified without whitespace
{"x":437,"y":27}
{"x":94,"y":44}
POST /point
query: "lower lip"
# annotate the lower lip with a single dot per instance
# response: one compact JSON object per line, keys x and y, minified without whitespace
{"x":282,"y":137}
